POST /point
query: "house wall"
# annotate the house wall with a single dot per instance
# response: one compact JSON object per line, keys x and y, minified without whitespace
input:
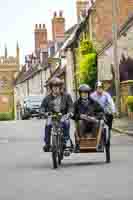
{"x":105,"y":60}
{"x":70,"y":73}
{"x":35,"y":85}
{"x":102,"y":19}
{"x":125,"y":46}
{"x":32,"y":86}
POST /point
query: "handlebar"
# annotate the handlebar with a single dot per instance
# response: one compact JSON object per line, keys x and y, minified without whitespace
{"x":95,"y":117}
{"x":55,"y":115}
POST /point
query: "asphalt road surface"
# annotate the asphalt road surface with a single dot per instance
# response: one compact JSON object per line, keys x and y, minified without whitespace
{"x":26,"y":172}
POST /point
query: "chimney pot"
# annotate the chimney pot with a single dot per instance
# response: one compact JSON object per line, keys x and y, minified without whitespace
{"x":60,"y":13}
{"x":36,"y":26}
{"x":44,"y":26}
{"x":55,"y":14}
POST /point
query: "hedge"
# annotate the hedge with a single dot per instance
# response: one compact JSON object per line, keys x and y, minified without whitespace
{"x":130,"y":103}
{"x":4,"y":116}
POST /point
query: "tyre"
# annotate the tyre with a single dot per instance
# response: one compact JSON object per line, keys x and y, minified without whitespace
{"x":60,"y":152}
{"x":25,"y":116}
{"x":59,"y":159}
{"x":107,"y":148}
{"x":61,"y":142}
{"x":54,"y":152}
{"x":54,"y":158}
{"x":107,"y":151}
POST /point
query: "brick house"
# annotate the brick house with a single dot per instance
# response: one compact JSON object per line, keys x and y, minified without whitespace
{"x":40,"y":65}
{"x":125,"y":57}
{"x":101,"y":19}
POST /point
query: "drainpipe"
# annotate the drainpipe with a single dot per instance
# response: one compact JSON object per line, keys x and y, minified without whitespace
{"x":115,"y":52}
{"x":75,"y":71}
{"x":41,"y":83}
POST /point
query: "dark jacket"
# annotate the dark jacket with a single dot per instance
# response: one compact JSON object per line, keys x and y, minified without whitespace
{"x":66,"y":104}
{"x":92,"y":108}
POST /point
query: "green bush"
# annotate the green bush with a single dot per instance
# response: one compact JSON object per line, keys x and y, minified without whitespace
{"x":6,"y":116}
{"x":130,"y":103}
{"x":87,"y":57}
{"x":114,"y":98}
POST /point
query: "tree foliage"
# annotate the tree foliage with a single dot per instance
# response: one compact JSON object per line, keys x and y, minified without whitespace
{"x":87,"y":72}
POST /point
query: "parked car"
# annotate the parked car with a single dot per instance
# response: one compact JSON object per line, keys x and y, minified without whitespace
{"x":31,"y":107}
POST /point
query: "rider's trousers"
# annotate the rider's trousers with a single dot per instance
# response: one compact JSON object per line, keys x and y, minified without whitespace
{"x":65,"y":124}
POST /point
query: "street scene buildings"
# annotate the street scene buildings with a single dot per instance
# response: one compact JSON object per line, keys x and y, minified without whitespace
{"x":98,"y":46}
{"x":58,"y":57}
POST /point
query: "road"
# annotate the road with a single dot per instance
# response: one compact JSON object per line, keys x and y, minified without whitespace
{"x":26,"y":172}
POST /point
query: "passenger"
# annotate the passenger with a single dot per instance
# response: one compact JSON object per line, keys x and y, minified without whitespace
{"x":83,"y":107}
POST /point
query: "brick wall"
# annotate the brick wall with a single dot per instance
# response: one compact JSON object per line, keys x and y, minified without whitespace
{"x":81,"y":7}
{"x":41,"y":40}
{"x":102,"y":18}
{"x":58,"y":27}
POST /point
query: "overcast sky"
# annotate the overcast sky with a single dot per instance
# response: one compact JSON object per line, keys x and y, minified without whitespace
{"x":17,"y":19}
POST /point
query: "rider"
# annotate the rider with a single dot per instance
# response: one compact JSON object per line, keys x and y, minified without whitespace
{"x":60,"y":102}
{"x":106,"y":101}
{"x":84,"y":106}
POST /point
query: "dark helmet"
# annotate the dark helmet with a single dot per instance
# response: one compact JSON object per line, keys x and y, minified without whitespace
{"x":99,"y":84}
{"x":56,"y":82}
{"x":84,"y":88}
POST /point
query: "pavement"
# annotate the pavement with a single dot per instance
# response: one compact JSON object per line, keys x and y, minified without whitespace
{"x":26,"y":171}
{"x":123,"y":125}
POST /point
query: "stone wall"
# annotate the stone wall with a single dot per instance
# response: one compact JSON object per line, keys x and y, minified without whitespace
{"x":6,"y":91}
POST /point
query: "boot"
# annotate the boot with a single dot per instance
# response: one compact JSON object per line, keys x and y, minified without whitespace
{"x":77,"y":148}
{"x":46,"y":148}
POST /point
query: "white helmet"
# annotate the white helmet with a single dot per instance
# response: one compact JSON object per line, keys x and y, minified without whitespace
{"x":99,"y":84}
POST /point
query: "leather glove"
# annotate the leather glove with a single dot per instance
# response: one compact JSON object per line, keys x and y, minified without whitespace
{"x":83,"y":116}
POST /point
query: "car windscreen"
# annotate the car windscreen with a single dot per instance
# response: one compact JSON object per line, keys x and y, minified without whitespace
{"x":34,"y":100}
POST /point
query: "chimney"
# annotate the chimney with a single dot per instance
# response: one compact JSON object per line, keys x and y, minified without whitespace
{"x":55,"y":14}
{"x":44,"y":57}
{"x":36,"y":26}
{"x":82,"y":7}
{"x":6,"y":52}
{"x":58,"y":27}
{"x":61,"y":13}
{"x":41,"y":40}
{"x":17,"y":53}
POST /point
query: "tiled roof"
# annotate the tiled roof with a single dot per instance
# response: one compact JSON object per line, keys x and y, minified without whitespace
{"x":25,"y":75}
{"x":70,"y":30}
{"x":57,"y":73}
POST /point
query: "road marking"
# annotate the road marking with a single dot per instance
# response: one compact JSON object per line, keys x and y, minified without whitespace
{"x":119,"y":134}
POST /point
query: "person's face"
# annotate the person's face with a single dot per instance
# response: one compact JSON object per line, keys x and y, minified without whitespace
{"x":84,"y":95}
{"x":99,"y":90}
{"x":62,"y":89}
{"x":56,"y":90}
